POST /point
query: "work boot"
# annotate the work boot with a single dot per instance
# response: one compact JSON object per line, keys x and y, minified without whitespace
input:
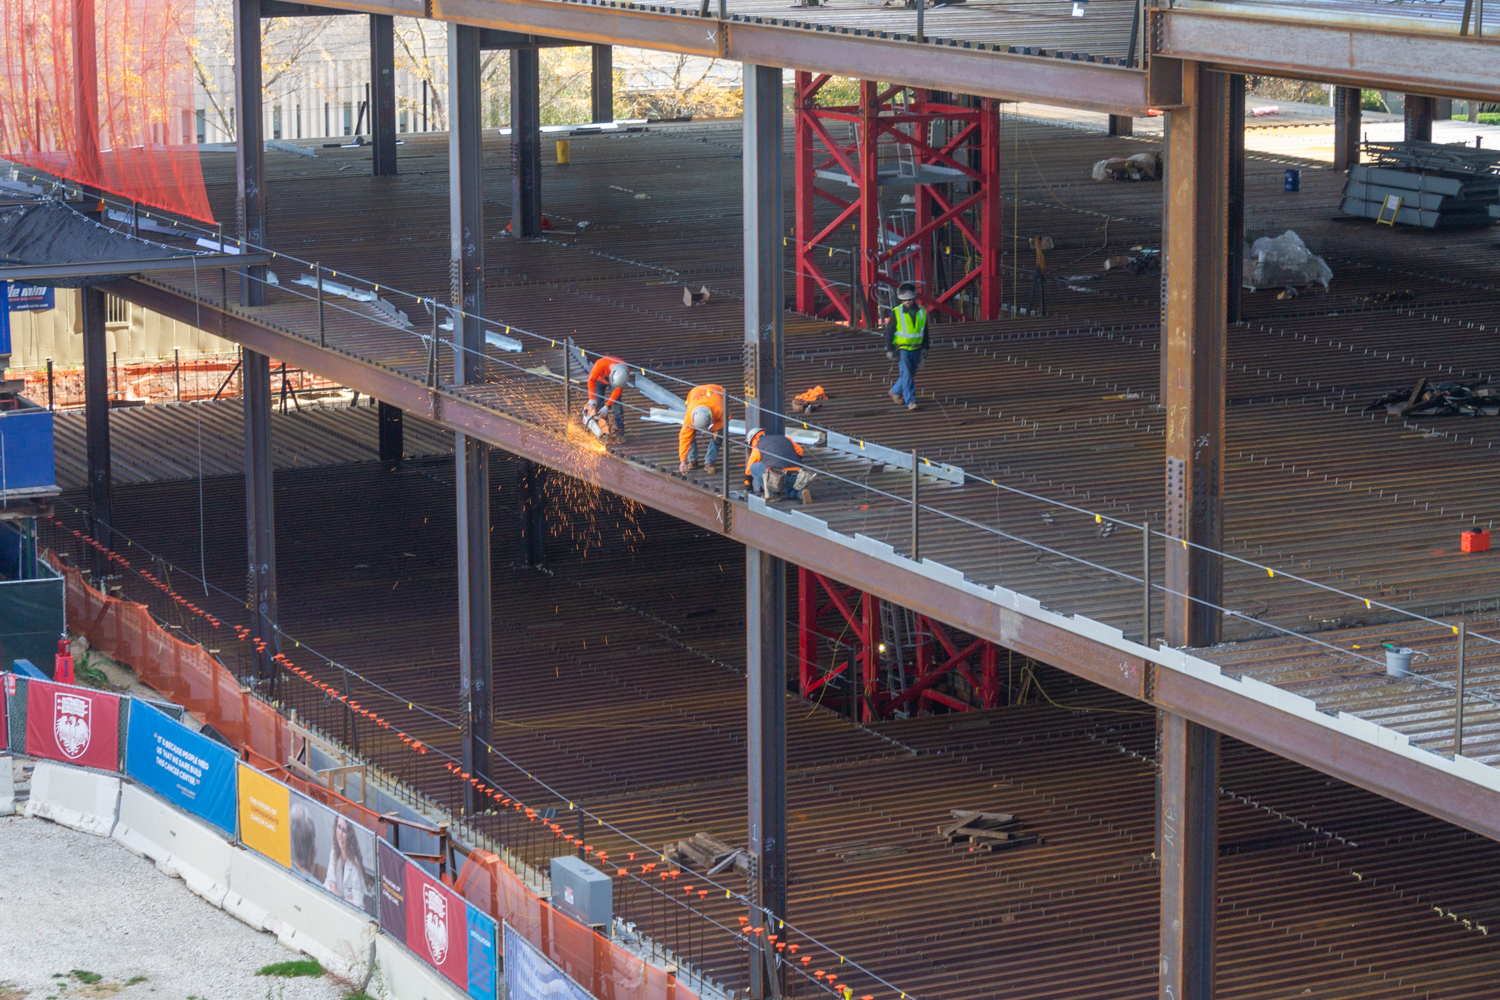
{"x":911,"y":406}
{"x":709,"y":468}
{"x":806,"y":497}
{"x":895,"y":396}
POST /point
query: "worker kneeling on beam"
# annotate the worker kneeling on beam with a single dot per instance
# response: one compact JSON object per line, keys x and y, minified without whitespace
{"x":603,"y":413}
{"x":906,"y":342}
{"x":774,"y":467}
{"x":705,"y":412}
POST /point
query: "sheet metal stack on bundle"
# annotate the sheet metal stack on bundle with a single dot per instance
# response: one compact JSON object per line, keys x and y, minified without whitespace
{"x":1437,"y":185}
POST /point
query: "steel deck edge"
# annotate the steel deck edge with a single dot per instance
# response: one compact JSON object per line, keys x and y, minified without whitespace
{"x":1367,"y":755}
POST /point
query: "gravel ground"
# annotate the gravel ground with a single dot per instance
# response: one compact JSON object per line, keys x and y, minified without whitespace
{"x":71,"y":901}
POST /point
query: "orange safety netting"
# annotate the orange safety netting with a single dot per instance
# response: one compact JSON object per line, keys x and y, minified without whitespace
{"x":185,"y":673}
{"x":596,"y":963}
{"x":101,"y":92}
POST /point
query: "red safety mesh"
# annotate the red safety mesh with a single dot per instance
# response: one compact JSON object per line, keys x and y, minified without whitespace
{"x":101,"y":92}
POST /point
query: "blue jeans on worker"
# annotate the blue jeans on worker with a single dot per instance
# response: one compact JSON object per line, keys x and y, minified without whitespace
{"x":613,"y":414}
{"x":713,"y":448}
{"x":906,"y":385}
{"x":758,"y":480}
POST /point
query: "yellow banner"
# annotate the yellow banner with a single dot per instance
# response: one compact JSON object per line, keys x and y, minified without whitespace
{"x":263,"y":815}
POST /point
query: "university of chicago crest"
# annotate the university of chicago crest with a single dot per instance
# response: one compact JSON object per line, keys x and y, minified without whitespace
{"x":435,"y":922}
{"x":71,"y":724}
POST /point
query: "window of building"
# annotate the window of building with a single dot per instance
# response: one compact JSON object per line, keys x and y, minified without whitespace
{"x":202,"y":126}
{"x":348,"y":117}
{"x":276,"y":122}
{"x":401,"y":121}
{"x":299,"y":121}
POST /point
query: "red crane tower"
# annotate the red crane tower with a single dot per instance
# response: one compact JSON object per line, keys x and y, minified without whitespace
{"x":947,"y":154}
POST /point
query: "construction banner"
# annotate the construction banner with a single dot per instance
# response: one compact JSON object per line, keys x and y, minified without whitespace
{"x":482,"y":959}
{"x":186,"y":768}
{"x":264,"y":804}
{"x":393,"y":892}
{"x":530,"y":976}
{"x":332,"y":851}
{"x":437,"y":926}
{"x":72,"y":724}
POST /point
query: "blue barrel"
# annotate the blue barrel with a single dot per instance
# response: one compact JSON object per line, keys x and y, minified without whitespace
{"x":1293,"y":180}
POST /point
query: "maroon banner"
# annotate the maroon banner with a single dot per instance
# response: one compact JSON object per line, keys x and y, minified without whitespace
{"x":437,"y":926}
{"x":73,"y":724}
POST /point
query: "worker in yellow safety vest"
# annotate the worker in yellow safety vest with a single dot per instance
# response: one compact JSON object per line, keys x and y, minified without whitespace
{"x":906,"y":342}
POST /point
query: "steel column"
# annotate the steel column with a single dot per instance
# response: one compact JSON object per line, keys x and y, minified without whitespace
{"x":1347,"y":109}
{"x":392,"y":433}
{"x":991,"y":211}
{"x":260,"y":528}
{"x":525,"y":142}
{"x":1235,"y":220}
{"x":869,"y":201}
{"x":471,"y":455}
{"x":1199,"y":151}
{"x":250,"y":146}
{"x":383,"y":95}
{"x":96,"y":415}
{"x":765,"y":641}
{"x":602,"y":83}
{"x":765,"y":372}
{"x":533,"y":514}
{"x":1419,"y":113}
{"x":1188,"y":849}
{"x":805,"y":199}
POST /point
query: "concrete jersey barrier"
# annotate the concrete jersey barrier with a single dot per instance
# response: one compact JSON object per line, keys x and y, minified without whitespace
{"x":69,"y":796}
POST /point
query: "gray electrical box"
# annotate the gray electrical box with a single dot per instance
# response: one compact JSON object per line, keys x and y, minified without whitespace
{"x":582,"y":891}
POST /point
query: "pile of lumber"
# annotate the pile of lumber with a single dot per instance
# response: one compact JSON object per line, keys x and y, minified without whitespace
{"x":985,"y":831}
{"x":709,"y":853}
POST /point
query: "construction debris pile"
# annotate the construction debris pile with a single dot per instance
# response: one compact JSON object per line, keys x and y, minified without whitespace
{"x":985,"y":831}
{"x":709,"y":853}
{"x":1441,"y":399}
{"x":1425,"y":184}
{"x":1283,"y":262}
{"x":1140,"y":167}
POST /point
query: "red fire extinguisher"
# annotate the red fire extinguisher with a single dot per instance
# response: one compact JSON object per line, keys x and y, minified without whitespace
{"x":62,"y":668}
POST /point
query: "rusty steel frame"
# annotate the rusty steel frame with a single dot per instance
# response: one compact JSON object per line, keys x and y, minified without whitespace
{"x":1394,"y":776}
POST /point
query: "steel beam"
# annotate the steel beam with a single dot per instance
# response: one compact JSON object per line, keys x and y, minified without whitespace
{"x":533,"y":513}
{"x":260,"y":518}
{"x":1188,"y":849}
{"x":1406,"y":779}
{"x":1419,"y":112}
{"x":383,"y":95}
{"x":392,"y":433}
{"x":602,"y":83}
{"x":765,"y":308}
{"x":1347,"y":111}
{"x":96,"y":419}
{"x":765,"y":673}
{"x":1388,"y":56}
{"x":525,"y":143}
{"x":1199,"y":150}
{"x":471,"y":454}
{"x":249,"y":147}
{"x":860,"y":54}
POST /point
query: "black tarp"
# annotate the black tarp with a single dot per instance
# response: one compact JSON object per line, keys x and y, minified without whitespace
{"x":54,"y":233}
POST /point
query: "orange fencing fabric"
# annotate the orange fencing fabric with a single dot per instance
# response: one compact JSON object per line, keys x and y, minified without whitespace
{"x":185,"y":673}
{"x":596,"y":963}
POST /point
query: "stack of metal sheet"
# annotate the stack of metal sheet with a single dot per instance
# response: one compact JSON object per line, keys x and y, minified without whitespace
{"x":1437,"y":185}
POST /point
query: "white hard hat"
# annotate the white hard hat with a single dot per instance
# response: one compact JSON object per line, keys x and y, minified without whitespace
{"x":703,"y":417}
{"x":750,"y":434}
{"x":618,"y":374}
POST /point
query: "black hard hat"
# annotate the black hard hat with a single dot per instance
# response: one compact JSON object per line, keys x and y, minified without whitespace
{"x":906,"y":291}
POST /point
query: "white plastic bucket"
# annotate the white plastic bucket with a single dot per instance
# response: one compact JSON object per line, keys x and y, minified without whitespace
{"x":1398,"y":661}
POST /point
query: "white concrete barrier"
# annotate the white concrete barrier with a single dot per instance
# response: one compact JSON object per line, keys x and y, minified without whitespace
{"x":7,"y":785}
{"x":73,"y":797}
{"x":406,"y":977}
{"x":303,"y":917}
{"x":181,"y":846}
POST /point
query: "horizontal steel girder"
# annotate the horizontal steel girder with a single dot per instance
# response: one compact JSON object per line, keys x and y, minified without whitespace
{"x":1068,"y":82}
{"x":1402,"y":779}
{"x":1349,"y":54}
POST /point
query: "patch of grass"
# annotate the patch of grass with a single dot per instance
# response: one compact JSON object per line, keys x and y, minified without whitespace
{"x":84,"y":976}
{"x":135,"y":979}
{"x":288,"y":970}
{"x":361,"y":995}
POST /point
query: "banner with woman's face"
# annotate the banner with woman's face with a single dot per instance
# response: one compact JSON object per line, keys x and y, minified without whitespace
{"x":332,"y":851}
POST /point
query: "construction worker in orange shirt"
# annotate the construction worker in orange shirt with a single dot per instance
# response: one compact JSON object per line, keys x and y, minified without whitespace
{"x":603,"y":413}
{"x":705,"y":412}
{"x":774,"y":467}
